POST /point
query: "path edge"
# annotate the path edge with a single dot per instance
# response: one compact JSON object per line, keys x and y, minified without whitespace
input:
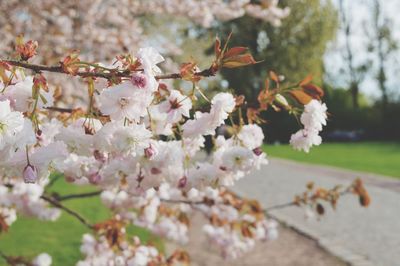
{"x":347,"y":256}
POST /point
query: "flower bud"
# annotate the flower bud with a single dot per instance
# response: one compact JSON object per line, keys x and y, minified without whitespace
{"x":27,"y":49}
{"x":281,"y":100}
{"x":182,"y":182}
{"x":94,"y":178}
{"x":30,"y":174}
{"x":257,"y":151}
{"x":150,"y":152}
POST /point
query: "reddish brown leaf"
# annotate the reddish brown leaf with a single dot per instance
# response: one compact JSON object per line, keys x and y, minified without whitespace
{"x":27,"y":49}
{"x":253,"y":116}
{"x":365,"y":199}
{"x":188,"y":71}
{"x":235,"y":51}
{"x":266,"y":83}
{"x":246,"y":232}
{"x":274,"y":76}
{"x":300,"y":96}
{"x":306,"y":80}
{"x":70,"y":64}
{"x":313,"y":90}
{"x":264,"y":99}
{"x":359,"y":189}
{"x":239,"y":61}
{"x":40,"y":82}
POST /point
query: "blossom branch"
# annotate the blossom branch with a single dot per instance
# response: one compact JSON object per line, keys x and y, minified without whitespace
{"x":107,"y":75}
{"x":78,"y":196}
{"x":60,"y":109}
{"x":57,"y":204}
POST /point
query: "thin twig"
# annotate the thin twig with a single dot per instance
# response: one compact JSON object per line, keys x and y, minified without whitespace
{"x":57,"y":204}
{"x":183,"y":201}
{"x":280,"y":206}
{"x":60,"y":109}
{"x":78,"y":196}
{"x":108,"y":75}
{"x":294,"y":203}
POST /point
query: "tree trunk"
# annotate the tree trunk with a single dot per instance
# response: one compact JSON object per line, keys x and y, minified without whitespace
{"x":354,"y":94}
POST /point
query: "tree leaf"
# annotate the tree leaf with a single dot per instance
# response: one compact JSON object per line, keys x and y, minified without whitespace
{"x":235,"y":51}
{"x":300,"y":96}
{"x":306,"y":80}
{"x":239,"y":61}
{"x":274,"y":76}
{"x":314,"y":91}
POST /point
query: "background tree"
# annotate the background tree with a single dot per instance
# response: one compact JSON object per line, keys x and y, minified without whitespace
{"x":382,"y":45}
{"x":295,"y":49}
{"x":355,"y":72}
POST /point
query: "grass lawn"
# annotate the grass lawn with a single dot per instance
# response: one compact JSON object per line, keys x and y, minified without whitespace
{"x":61,"y":239}
{"x":375,"y":157}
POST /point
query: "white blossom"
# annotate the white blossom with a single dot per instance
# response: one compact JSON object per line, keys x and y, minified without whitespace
{"x":251,"y":136}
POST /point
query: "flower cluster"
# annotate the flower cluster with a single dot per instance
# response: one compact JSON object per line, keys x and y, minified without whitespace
{"x":313,"y":118}
{"x":142,"y":143}
{"x":98,"y":252}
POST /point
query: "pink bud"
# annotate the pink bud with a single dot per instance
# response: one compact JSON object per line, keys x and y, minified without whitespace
{"x":182,"y":182}
{"x":30,"y":174}
{"x":257,"y":151}
{"x":150,"y":151}
{"x":94,"y":178}
{"x":139,"y":80}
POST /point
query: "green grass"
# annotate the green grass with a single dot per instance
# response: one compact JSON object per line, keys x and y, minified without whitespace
{"x":61,"y":239}
{"x":374,"y":157}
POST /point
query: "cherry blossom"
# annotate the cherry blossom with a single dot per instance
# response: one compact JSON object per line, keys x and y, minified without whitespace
{"x":175,"y":106}
{"x":313,"y":118}
{"x":11,"y":123}
{"x":143,"y":145}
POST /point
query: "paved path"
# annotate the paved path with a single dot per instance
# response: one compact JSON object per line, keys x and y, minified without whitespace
{"x":290,"y":249}
{"x":360,"y":236}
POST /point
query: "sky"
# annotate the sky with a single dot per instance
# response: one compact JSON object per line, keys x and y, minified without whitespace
{"x":359,"y":12}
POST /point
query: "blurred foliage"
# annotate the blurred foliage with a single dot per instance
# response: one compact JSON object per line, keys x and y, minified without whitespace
{"x":294,"y":49}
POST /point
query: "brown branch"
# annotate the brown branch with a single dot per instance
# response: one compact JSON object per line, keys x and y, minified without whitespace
{"x":183,"y":201}
{"x":294,"y":203}
{"x":60,"y":109}
{"x":111,"y":74}
{"x":57,"y":204}
{"x":78,"y":196}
